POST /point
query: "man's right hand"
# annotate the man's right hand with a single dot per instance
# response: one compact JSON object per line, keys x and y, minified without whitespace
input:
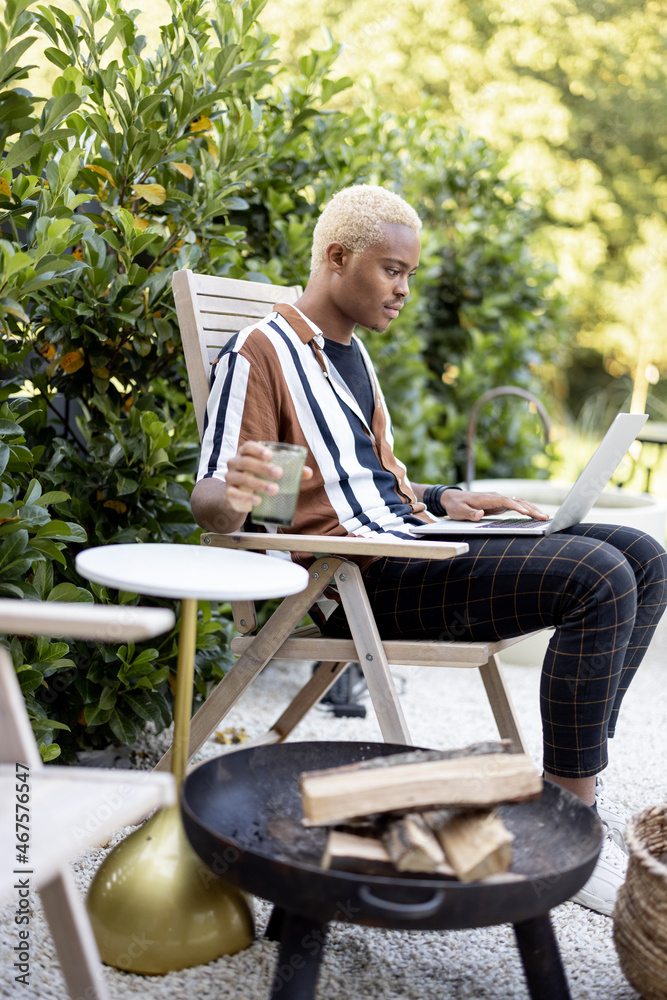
{"x":223,"y":506}
{"x":246,"y":476}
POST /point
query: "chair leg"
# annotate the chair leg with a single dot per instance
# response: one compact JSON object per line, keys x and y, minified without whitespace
{"x":269,"y":639}
{"x":371,"y":654}
{"x":73,"y":937}
{"x":501,"y":703}
{"x":310,"y":694}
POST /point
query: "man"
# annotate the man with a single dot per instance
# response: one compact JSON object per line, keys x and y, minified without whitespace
{"x":302,"y":376}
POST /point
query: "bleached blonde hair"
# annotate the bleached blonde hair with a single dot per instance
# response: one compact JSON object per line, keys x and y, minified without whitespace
{"x":354,"y":217}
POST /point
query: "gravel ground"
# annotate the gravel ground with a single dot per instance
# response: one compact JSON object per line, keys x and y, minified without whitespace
{"x":443,"y":708}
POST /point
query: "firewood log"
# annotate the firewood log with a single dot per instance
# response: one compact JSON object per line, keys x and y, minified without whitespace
{"x":333,"y":796}
{"x":476,"y":845}
{"x":411,"y":844}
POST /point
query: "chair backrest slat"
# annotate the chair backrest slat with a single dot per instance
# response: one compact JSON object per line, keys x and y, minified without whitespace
{"x":210,"y":310}
{"x":218,"y":305}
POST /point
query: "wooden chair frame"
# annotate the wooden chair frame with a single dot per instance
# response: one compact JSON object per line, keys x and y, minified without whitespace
{"x":62,"y":800}
{"x":210,"y":309}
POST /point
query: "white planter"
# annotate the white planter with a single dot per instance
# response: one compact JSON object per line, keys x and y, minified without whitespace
{"x":614,"y":506}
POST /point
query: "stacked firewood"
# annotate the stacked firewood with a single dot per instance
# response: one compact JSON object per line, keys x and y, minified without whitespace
{"x":421,"y":811}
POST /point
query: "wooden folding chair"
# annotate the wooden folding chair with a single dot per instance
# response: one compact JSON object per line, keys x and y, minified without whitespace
{"x":210,"y":309}
{"x":60,"y":811}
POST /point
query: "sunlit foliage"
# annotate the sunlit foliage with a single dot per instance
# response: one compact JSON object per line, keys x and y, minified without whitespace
{"x":573,"y":93}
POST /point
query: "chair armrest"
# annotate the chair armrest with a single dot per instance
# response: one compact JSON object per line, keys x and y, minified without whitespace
{"x":107,"y":622}
{"x":336,"y":545}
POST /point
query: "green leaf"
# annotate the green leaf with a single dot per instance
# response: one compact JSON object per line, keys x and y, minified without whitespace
{"x":101,"y":126}
{"x":55,"y":496}
{"x":59,"y":530}
{"x":142,"y":241}
{"x":95,"y":715}
{"x":22,"y":152}
{"x":47,"y":23}
{"x":49,"y":549}
{"x":63,"y":531}
{"x":158,"y":699}
{"x":110,"y":237}
{"x":33,"y":493}
{"x":107,"y":699}
{"x":147,"y":104}
{"x":126,"y":485}
{"x":8,"y":305}
{"x":62,"y":663}
{"x":12,"y":590}
{"x":10,"y":58}
{"x":122,"y":727}
{"x":68,"y":168}
{"x":30,"y":515}
{"x":50,"y":752}
{"x":70,"y":592}
{"x":29,"y":679}
{"x":146,"y":656}
{"x":98,"y":9}
{"x":12,"y":554}
{"x":14,"y":9}
{"x":17,"y":262}
{"x":58,"y":58}
{"x":140,"y":703}
{"x":9,"y":427}
{"x":159,"y":676}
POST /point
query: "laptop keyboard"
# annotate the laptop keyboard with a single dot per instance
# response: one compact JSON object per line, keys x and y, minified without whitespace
{"x":518,"y":522}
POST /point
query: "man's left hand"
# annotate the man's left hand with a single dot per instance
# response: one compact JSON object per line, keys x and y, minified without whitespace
{"x":464,"y":505}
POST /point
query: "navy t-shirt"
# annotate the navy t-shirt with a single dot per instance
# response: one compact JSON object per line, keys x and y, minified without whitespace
{"x":348,"y":362}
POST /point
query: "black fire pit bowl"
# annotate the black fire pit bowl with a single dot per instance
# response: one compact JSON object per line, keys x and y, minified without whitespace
{"x":242,"y":813}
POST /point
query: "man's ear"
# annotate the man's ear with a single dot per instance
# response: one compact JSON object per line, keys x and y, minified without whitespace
{"x":335,"y":256}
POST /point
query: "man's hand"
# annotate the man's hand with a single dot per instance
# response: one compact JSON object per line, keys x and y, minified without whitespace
{"x":223,"y":507}
{"x":464,"y":505}
{"x":246,"y":476}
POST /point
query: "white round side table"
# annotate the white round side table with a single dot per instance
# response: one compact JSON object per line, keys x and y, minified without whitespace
{"x":151,"y":887}
{"x":189,"y":573}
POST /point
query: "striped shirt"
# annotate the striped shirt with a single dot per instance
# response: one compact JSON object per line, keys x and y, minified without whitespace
{"x":272,"y":382}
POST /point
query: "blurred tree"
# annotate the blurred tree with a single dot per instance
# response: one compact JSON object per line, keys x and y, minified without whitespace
{"x":573,"y":95}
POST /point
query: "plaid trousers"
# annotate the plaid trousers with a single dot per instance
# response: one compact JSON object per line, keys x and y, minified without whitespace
{"x":603,"y":588}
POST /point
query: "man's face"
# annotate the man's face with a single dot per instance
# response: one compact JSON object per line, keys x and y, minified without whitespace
{"x":373,"y":285}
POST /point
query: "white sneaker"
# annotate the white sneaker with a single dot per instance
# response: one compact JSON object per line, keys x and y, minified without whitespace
{"x":611,"y":815}
{"x":608,"y":876}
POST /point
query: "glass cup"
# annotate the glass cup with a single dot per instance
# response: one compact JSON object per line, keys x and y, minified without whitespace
{"x":279,"y":508}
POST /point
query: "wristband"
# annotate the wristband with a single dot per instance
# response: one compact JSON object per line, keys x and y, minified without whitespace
{"x":432,"y":495}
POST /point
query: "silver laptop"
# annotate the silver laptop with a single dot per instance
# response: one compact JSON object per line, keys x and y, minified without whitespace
{"x":576,"y":505}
